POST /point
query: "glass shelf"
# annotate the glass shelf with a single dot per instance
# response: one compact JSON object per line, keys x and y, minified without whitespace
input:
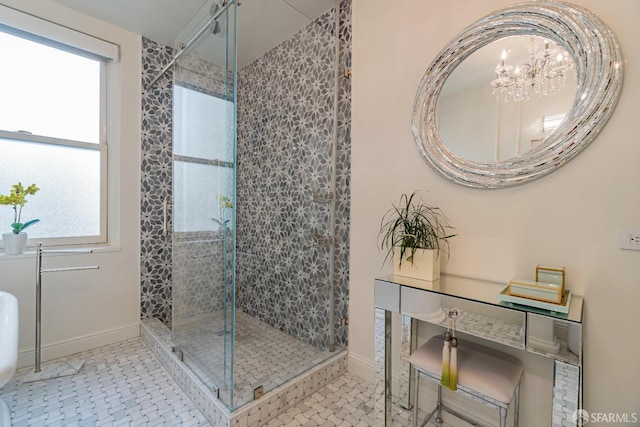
{"x":481,"y":291}
{"x":491,"y":328}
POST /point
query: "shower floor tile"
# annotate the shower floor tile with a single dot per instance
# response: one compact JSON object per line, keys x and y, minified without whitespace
{"x":264,"y":355}
{"x":122,"y":384}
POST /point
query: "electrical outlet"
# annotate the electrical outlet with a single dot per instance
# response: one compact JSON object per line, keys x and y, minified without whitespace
{"x":630,"y":239}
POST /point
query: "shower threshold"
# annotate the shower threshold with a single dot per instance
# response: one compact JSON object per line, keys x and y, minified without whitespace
{"x":298,"y":369}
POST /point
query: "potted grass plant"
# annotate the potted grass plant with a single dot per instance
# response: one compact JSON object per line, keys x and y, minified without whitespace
{"x":15,"y":241}
{"x":416,"y":237}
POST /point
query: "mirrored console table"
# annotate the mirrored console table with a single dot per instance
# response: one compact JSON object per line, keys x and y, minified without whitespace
{"x":400,"y":302}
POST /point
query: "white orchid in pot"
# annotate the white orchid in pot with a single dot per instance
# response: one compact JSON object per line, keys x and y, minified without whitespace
{"x":16,"y":240}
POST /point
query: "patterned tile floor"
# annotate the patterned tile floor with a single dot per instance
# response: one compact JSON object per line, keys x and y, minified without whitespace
{"x":124,"y":385}
{"x":346,"y":402}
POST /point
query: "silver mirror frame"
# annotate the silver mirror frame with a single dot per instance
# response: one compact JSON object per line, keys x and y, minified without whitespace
{"x":599,"y":70}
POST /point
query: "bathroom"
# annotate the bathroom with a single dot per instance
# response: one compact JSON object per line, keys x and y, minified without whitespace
{"x":501,"y":233}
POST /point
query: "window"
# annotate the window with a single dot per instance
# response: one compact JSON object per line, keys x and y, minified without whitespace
{"x":203,"y":160}
{"x":53,"y":127}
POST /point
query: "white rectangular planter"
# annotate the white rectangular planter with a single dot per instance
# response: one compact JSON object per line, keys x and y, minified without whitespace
{"x":425,"y":266}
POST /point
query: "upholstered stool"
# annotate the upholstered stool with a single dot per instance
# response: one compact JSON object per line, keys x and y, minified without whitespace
{"x":484,"y":375}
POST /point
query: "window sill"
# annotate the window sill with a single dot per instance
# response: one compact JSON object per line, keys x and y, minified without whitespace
{"x":31,"y":253}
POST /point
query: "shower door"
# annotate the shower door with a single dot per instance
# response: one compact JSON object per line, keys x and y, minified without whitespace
{"x":203,"y":206}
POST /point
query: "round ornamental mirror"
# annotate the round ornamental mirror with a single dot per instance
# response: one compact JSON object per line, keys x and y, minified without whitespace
{"x":517,"y":94}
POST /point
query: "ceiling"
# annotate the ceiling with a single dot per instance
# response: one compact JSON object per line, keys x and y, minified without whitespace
{"x":262,"y":24}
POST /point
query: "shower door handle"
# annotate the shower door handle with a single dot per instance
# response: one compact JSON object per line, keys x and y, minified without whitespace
{"x":165,"y":216}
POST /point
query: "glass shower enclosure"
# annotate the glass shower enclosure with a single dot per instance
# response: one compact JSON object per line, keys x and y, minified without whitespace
{"x":251,"y":209}
{"x":203,"y":239}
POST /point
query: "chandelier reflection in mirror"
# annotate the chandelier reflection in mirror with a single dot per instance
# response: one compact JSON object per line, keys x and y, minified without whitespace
{"x":545,"y":73}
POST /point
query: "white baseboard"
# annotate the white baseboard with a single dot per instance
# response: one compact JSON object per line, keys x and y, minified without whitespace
{"x":360,"y":367}
{"x":70,"y":346}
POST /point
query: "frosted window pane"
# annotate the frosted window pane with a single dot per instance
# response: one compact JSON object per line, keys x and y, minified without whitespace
{"x":202,"y":125}
{"x":68,"y":203}
{"x":49,"y":92}
{"x":195,"y":204}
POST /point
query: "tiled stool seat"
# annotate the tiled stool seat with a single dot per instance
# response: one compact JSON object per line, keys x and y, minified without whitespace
{"x":485,"y":375}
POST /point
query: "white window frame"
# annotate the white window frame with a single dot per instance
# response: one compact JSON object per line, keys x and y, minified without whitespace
{"x":66,"y":39}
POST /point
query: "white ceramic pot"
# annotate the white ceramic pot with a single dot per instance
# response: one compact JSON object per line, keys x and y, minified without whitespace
{"x":14,"y":244}
{"x":425,"y":266}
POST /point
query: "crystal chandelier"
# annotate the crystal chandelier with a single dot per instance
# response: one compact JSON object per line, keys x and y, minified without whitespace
{"x":545,"y":73}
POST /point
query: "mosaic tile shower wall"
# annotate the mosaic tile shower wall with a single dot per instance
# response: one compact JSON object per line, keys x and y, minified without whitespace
{"x":284,"y":158}
{"x":189,"y":263}
{"x":156,"y":178}
{"x":285,"y":137}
